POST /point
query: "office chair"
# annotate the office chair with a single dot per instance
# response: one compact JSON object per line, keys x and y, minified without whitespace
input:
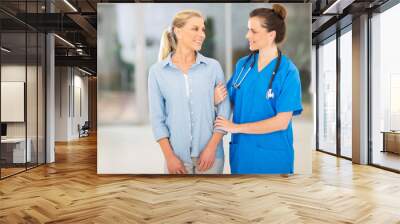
{"x":84,"y":130}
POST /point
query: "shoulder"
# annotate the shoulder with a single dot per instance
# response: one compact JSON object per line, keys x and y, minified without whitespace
{"x":289,"y":66}
{"x":156,"y":68}
{"x":211,"y":62}
{"x":158,"y":65}
{"x":242,"y":60}
{"x":212,"y":65}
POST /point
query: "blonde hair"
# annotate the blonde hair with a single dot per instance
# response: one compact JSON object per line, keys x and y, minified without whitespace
{"x":168,"y":39}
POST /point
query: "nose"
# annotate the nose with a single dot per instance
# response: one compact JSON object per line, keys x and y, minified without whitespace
{"x":248,"y":35}
{"x":202,"y":34}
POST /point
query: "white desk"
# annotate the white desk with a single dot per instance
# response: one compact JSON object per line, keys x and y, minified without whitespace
{"x":391,"y":141}
{"x":19,"y":149}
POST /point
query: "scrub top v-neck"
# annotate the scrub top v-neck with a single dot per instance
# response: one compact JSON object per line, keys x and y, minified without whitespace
{"x":270,"y":153}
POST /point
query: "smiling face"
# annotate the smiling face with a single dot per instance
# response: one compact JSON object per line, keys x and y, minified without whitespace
{"x":192,"y":34}
{"x":257,"y":35}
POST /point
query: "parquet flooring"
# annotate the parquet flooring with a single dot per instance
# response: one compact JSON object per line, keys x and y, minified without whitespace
{"x":10,"y":171}
{"x":70,"y":191}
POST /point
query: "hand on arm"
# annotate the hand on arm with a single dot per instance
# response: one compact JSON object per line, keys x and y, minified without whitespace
{"x":220,"y":93}
{"x":277,"y":123}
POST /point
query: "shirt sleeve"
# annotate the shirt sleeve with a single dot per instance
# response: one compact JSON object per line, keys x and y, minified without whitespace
{"x":224,"y":108}
{"x":289,"y":99}
{"x":157,"y":108}
{"x":229,"y":88}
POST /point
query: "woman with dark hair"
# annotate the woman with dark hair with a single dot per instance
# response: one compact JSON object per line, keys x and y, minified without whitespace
{"x":265,"y":92}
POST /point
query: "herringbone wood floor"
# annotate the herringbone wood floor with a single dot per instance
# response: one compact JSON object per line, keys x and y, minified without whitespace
{"x":70,"y":191}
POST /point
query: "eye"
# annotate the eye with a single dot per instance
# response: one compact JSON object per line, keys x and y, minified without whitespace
{"x":252,"y":31}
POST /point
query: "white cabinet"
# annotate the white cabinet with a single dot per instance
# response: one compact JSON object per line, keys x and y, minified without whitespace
{"x":18,"y":149}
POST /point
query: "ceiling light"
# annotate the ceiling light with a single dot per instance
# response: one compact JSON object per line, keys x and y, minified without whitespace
{"x":329,"y":9}
{"x":65,"y":41}
{"x":84,"y":71}
{"x":5,"y":50}
{"x":337,"y":7}
{"x":70,"y":5}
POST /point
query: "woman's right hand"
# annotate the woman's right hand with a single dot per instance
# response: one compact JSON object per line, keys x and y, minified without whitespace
{"x":220,"y":93}
{"x":175,"y":165}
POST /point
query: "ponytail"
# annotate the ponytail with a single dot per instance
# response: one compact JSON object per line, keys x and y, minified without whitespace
{"x":167,"y":44}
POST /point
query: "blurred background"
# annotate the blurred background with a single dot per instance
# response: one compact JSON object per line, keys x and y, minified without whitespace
{"x":128,"y":44}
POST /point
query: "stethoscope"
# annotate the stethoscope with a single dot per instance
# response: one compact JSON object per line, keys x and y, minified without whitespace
{"x":269,"y":93}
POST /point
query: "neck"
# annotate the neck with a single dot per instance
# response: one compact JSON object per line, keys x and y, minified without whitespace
{"x":268,"y":53}
{"x":184,"y":55}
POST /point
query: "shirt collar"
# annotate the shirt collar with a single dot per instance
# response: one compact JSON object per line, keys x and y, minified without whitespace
{"x":199,"y":59}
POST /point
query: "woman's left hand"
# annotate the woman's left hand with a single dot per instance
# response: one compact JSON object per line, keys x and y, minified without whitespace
{"x":226,"y":125}
{"x":207,"y":158}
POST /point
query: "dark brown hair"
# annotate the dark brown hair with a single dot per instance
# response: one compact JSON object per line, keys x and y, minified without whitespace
{"x":273,"y":19}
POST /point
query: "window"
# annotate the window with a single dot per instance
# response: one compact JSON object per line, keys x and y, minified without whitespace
{"x":385,"y":89}
{"x":346,"y":94}
{"x":327,"y":96}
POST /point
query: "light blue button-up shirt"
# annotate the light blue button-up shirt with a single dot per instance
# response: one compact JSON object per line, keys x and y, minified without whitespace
{"x":182,"y":105}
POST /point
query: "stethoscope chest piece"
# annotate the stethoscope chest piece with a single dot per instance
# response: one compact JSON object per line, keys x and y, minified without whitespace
{"x":269,"y":94}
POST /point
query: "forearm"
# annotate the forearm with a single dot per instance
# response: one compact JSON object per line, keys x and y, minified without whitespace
{"x":166,"y":148}
{"x":215,"y":140}
{"x":276,"y":123}
{"x":224,"y":110}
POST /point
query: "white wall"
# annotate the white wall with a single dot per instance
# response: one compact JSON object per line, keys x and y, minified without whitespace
{"x":71,"y":93}
{"x":33,"y":126}
{"x":61,"y":103}
{"x":80,"y":100}
{"x":16,"y":73}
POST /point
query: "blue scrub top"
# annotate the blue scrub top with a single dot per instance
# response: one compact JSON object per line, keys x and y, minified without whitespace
{"x":271,"y":153}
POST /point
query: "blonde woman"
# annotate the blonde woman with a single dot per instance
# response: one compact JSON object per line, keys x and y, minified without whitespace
{"x":181,"y":99}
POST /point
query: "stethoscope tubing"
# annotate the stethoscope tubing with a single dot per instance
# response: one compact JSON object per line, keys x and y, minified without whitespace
{"x":236,"y":85}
